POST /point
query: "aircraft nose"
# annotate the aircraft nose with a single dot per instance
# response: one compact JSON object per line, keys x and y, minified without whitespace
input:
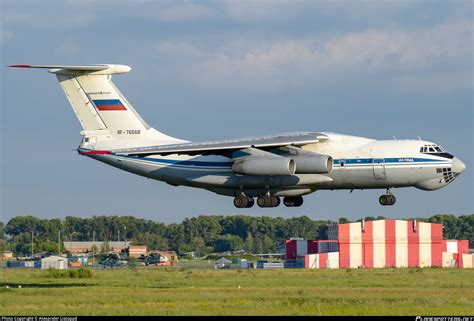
{"x":457,"y":166}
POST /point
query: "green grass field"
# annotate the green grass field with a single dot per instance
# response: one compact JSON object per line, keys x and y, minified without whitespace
{"x":159,"y":291}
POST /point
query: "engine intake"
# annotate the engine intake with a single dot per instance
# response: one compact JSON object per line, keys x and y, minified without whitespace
{"x":281,"y":166}
{"x":313,"y":164}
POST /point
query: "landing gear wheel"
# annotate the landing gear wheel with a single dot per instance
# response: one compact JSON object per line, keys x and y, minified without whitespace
{"x":241,"y":201}
{"x":391,"y":199}
{"x":293,"y":201}
{"x":250,"y":202}
{"x":382,"y":200}
{"x":387,"y":200}
{"x":268,"y":201}
{"x":263,"y":201}
{"x":275,"y":201}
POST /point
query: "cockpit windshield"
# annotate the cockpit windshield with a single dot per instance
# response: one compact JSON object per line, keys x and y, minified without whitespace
{"x":436,"y":150}
{"x":432,"y":149}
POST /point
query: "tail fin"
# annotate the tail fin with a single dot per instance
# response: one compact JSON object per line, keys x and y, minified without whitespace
{"x":102,"y":110}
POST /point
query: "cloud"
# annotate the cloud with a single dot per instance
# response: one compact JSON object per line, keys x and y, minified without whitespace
{"x":181,"y":49}
{"x":302,"y":61}
{"x":5,"y":35}
{"x":49,"y":19}
{"x":181,"y":12}
{"x":66,"y":50}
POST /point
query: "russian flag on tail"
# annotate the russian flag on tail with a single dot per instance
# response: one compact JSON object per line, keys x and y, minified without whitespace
{"x":109,"y":104}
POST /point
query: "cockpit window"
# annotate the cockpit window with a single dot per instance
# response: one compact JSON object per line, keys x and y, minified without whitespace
{"x":435,"y":150}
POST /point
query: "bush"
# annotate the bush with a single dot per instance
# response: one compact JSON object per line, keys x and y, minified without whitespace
{"x":71,"y":273}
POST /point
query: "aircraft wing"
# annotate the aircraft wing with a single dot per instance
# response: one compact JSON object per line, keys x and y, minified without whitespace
{"x":227,"y":146}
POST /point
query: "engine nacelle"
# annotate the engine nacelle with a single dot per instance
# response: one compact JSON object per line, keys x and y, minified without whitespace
{"x":313,"y":164}
{"x":262,"y":165}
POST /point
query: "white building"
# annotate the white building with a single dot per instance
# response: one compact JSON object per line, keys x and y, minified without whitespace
{"x":54,"y":262}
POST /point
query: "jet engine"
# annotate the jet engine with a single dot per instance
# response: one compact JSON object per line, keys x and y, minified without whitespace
{"x":264,"y":165}
{"x":313,"y":164}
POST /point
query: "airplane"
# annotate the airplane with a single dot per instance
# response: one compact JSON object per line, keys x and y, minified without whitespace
{"x":269,"y":167}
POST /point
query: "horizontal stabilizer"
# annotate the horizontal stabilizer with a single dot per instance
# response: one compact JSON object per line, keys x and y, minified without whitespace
{"x":105,"y":69}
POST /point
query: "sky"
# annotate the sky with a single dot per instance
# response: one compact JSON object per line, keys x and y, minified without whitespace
{"x":207,"y":70}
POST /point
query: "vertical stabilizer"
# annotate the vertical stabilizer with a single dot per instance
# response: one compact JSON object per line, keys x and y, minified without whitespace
{"x":103,"y":112}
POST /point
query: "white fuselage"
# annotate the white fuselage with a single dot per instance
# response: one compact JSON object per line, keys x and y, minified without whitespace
{"x":359,"y":163}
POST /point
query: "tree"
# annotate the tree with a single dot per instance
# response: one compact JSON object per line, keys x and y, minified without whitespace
{"x":344,"y":220}
{"x":199,"y":246}
{"x":249,"y":243}
{"x":105,"y":247}
{"x":23,"y":224}
{"x":203,"y":234}
{"x":227,"y":242}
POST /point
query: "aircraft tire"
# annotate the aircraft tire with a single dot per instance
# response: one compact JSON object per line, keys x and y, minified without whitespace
{"x":293,"y":201}
{"x":391,"y":199}
{"x":251,"y":201}
{"x":266,"y":201}
{"x":275,"y":201}
{"x":241,"y":202}
{"x":387,"y":200}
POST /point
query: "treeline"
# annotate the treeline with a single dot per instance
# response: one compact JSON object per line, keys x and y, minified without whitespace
{"x":203,"y":234}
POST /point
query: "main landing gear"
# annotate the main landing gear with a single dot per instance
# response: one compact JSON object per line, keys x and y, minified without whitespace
{"x":293,"y":201}
{"x":268,"y":201}
{"x":244,"y":201}
{"x":388,"y":199}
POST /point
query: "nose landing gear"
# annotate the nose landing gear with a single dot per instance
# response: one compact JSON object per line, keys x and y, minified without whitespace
{"x":388,"y":199}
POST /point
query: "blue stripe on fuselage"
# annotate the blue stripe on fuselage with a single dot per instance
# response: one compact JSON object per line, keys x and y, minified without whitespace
{"x":184,"y":162}
{"x":395,"y":160}
{"x":351,"y":161}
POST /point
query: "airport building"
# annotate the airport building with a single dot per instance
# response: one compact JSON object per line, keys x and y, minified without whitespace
{"x":76,"y":248}
{"x":381,"y":244}
{"x":137,"y":250}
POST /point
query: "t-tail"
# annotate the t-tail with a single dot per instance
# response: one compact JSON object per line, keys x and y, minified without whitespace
{"x":107,"y":118}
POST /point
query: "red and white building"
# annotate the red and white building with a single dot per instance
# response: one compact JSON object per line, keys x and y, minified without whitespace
{"x":380,"y":244}
{"x":137,"y":250}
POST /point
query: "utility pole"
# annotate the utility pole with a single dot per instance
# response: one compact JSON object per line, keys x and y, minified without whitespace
{"x":31,"y":243}
{"x":93,"y":247}
{"x":59,"y":242}
{"x":118,"y":235}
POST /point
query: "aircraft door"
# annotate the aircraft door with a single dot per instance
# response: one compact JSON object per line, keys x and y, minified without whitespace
{"x":379,"y":168}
